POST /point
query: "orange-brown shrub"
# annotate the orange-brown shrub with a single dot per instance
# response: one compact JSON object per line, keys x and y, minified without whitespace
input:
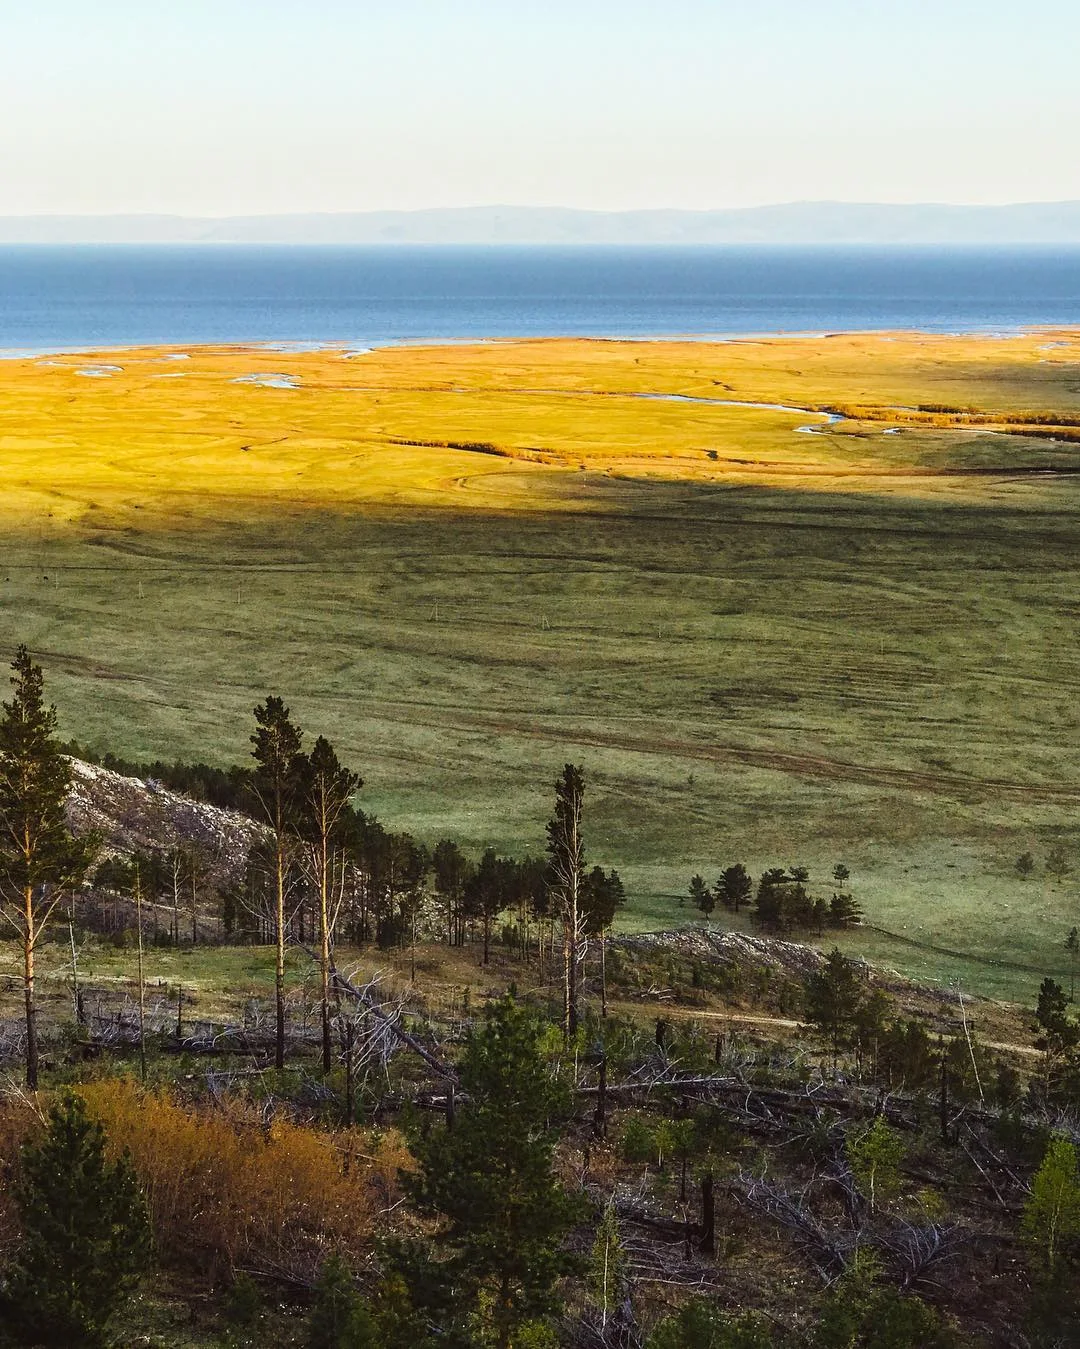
{"x":228,"y":1191}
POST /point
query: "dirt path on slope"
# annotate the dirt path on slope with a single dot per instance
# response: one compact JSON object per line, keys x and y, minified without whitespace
{"x":801,"y":765}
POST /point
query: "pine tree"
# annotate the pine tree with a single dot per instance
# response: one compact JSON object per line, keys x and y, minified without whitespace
{"x":860,"y":1311}
{"x":1050,"y":1228}
{"x":490,"y":1179}
{"x":84,"y":1233}
{"x":340,"y":1319}
{"x":875,"y":1155}
{"x":833,"y":996}
{"x":486,"y":894}
{"x":400,"y":1325}
{"x":275,"y":785}
{"x":701,"y":1324}
{"x":326,"y":790}
{"x":1060,"y":1033}
{"x":566,"y":854}
{"x":452,"y":870}
{"x":843,"y":910}
{"x":734,"y":887}
{"x":40,"y":860}
{"x":701,"y":896}
{"x":769,"y":905}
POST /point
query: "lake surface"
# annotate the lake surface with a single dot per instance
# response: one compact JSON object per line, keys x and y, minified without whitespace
{"x":61,"y":297}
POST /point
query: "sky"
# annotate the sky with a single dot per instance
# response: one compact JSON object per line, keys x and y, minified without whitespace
{"x":228,"y":107}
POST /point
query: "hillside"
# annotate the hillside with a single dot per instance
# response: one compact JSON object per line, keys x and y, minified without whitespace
{"x":767,"y":630}
{"x":791,"y":223}
{"x":740,"y":1118}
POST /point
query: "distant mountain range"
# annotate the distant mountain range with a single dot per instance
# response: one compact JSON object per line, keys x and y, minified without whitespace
{"x":793,"y":223}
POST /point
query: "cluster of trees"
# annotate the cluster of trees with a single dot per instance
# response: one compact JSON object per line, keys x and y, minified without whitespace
{"x":1057,"y":864}
{"x":327,"y":867}
{"x":782,"y":902}
{"x":855,"y":1018}
{"x":324,"y":867}
{"x":167,"y":880}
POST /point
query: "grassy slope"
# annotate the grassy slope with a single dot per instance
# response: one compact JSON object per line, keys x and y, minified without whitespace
{"x":827,"y":652}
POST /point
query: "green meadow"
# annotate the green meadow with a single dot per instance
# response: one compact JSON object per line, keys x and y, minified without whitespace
{"x":745,"y":674}
{"x":775,"y":670}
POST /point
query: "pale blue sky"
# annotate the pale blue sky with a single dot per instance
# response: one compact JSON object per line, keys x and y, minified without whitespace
{"x":230,"y":106}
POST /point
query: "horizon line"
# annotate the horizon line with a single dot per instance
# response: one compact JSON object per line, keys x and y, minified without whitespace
{"x":532,"y":206}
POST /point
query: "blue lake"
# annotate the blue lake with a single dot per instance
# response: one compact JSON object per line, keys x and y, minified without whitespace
{"x":61,"y":297}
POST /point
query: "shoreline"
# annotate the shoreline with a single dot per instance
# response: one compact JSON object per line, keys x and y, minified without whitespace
{"x":362,"y":346}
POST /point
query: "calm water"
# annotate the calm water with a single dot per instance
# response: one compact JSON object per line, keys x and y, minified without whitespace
{"x":61,"y":297}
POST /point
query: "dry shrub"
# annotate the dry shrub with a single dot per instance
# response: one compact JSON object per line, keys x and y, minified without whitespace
{"x":228,"y":1191}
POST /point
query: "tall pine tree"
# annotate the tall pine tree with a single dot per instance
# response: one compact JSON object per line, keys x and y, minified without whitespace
{"x":40,"y":860}
{"x":327,"y":790}
{"x":566,"y":855}
{"x":275,"y":784}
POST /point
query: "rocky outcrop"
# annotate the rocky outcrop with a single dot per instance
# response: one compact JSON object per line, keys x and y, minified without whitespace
{"x":135,"y":816}
{"x":741,"y":949}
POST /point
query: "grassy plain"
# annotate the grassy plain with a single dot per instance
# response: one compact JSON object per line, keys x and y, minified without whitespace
{"x":763,"y":643}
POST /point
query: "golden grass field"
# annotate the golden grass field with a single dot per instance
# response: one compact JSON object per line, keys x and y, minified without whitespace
{"x":144,"y":431}
{"x":469,"y":563}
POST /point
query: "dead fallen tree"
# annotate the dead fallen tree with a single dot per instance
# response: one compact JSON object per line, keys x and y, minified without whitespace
{"x":365,"y":997}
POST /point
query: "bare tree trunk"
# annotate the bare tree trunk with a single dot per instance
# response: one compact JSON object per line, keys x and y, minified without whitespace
{"x":324,"y":945}
{"x":603,"y":972}
{"x":176,"y":863}
{"x":572,"y":957}
{"x":349,"y":1087}
{"x":142,"y":980}
{"x":568,"y":1003}
{"x":279,"y":969}
{"x":505,"y":1313}
{"x":943,"y":1103}
{"x":29,"y":941}
{"x":76,"y":995}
